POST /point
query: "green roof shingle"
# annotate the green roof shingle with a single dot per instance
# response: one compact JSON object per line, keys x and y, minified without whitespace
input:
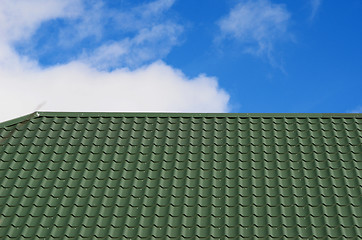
{"x":165,"y":175}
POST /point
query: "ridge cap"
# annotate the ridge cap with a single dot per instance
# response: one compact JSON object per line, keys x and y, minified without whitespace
{"x":194,"y":114}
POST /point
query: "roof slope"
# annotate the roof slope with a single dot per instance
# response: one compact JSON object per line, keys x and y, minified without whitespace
{"x":181,"y":175}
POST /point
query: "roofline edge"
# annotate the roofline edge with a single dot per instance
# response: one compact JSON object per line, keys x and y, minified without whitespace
{"x":171,"y":114}
{"x":19,"y":119}
{"x":179,"y":114}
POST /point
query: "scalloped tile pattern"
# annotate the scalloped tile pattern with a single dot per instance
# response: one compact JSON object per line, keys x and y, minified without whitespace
{"x":181,"y":177}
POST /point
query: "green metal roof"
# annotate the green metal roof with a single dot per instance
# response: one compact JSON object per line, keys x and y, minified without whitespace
{"x":176,"y":175}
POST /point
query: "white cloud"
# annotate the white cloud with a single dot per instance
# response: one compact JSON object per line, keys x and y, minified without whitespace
{"x":79,"y":86}
{"x":153,"y":38}
{"x":88,"y":22}
{"x":20,"y":18}
{"x":257,"y":24}
{"x":142,"y":33}
{"x":150,"y":43}
{"x":315,"y":5}
{"x":141,"y":16}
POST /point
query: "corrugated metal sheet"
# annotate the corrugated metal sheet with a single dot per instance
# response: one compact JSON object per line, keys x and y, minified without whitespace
{"x":103,"y":175}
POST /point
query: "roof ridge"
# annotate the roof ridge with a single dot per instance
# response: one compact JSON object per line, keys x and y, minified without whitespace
{"x":173,"y":114}
{"x":179,"y":114}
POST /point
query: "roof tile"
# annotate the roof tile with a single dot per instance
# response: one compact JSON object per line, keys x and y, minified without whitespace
{"x":132,"y":175}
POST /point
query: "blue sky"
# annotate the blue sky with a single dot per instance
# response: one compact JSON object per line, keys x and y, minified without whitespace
{"x":180,"y":55}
